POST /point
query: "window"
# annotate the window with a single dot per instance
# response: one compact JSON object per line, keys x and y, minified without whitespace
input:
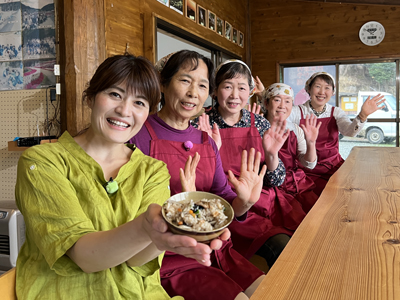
{"x":355,"y":82}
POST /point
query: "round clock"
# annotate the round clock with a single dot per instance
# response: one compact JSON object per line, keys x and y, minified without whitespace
{"x":372,"y":33}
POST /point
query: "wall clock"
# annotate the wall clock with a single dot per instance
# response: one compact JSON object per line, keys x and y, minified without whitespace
{"x":372,"y":33}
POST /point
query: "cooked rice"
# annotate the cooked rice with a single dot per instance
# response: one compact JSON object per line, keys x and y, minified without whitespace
{"x":200,"y":215}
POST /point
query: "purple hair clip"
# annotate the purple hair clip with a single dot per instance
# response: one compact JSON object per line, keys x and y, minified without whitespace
{"x":188,"y":145}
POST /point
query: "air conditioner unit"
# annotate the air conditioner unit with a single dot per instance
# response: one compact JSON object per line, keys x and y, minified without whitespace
{"x":12,"y":234}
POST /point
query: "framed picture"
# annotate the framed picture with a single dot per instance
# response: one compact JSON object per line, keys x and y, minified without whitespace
{"x":241,"y":39}
{"x":202,"y":16}
{"x":228,"y":30}
{"x":234,"y":35}
{"x":165,"y":2}
{"x":220,"y":26}
{"x":211,"y":20}
{"x":176,"y":5}
{"x":191,"y":10}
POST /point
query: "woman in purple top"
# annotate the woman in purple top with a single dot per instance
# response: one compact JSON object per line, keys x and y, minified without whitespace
{"x":186,"y":81}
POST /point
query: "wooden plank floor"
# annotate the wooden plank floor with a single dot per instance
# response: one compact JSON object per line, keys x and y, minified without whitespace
{"x":348,"y":246}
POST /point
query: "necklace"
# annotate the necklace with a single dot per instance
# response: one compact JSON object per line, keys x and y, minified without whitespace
{"x":318,"y":113}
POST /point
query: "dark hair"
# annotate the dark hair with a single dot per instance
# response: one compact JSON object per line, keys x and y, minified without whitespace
{"x":137,"y":73}
{"x":232,"y":70}
{"x":186,"y":58}
{"x":325,"y":78}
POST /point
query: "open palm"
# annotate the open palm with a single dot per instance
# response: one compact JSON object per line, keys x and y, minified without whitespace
{"x":275,"y":137}
{"x":249,"y":184}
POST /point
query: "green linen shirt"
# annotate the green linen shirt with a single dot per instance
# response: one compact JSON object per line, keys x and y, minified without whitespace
{"x":60,"y":193}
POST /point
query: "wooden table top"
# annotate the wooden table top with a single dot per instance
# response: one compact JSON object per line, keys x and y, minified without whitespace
{"x":348,"y":246}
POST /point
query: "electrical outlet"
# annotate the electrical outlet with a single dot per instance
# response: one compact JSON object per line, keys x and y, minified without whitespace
{"x":57,"y":70}
{"x":58,"y":88}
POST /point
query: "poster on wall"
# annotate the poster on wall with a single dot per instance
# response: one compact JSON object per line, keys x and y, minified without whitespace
{"x":220,"y":26}
{"x":10,"y":16}
{"x":191,"y":10}
{"x":39,"y":43}
{"x":10,"y":46}
{"x":241,"y":39}
{"x":235,"y":35}
{"x":202,"y":16}
{"x":11,"y":75}
{"x":39,"y":73}
{"x":27,"y":44}
{"x":228,"y":30}
{"x":37,"y":14}
{"x":211,"y":20}
{"x":176,"y":5}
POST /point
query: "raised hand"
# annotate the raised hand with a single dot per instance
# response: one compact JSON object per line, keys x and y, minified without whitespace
{"x":157,"y":229}
{"x":259,"y":88}
{"x":311,"y":128}
{"x":188,"y":176}
{"x":275,"y":137}
{"x":204,"y":125}
{"x":370,"y":106}
{"x":249,"y":184}
{"x":256,"y":108}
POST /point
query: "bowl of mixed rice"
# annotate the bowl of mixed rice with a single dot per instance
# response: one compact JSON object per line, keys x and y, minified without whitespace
{"x":200,"y":215}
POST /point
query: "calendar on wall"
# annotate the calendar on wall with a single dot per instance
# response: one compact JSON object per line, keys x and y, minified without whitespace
{"x":27,"y":44}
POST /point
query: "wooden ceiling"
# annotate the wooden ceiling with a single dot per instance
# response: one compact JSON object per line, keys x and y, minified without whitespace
{"x":381,"y":2}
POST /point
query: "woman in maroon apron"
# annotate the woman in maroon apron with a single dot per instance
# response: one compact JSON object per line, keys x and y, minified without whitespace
{"x":166,"y":135}
{"x":274,"y":217}
{"x":321,"y":87}
{"x":298,"y":150}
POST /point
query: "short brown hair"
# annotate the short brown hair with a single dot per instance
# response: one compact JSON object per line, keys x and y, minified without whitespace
{"x":137,"y":73}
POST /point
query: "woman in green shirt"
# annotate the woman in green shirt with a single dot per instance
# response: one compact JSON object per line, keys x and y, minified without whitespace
{"x":91,"y":203}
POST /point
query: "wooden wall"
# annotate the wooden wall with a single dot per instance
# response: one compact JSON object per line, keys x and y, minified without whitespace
{"x":132,"y":22}
{"x":92,"y":30}
{"x":295,"y":31}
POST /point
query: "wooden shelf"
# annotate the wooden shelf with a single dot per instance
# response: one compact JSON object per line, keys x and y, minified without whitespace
{"x":13,"y":146}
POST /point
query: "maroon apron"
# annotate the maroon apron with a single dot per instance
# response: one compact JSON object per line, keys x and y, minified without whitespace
{"x":297,"y":183}
{"x":180,"y":273}
{"x":270,"y":215}
{"x":329,"y":158}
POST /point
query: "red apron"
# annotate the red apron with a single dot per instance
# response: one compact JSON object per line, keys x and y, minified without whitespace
{"x":296,"y":182}
{"x":329,"y":159}
{"x":270,"y":214}
{"x":180,"y":273}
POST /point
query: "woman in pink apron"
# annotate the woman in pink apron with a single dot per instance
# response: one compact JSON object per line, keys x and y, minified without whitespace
{"x":186,"y":79}
{"x":321,"y":87}
{"x":299,"y":148}
{"x":274,"y":217}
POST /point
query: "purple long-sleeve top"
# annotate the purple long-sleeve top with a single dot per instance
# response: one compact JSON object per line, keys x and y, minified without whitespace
{"x":220,"y":185}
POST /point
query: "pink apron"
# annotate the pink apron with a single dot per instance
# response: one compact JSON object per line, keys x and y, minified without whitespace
{"x":271,"y":215}
{"x":329,"y":159}
{"x":297,"y":183}
{"x":179,"y":274}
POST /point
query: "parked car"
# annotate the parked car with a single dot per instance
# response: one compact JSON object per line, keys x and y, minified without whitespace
{"x":375,"y":132}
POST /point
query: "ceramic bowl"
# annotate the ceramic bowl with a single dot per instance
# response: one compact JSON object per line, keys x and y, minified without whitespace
{"x":200,"y":236}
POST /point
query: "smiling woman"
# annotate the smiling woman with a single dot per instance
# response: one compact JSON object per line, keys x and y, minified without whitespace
{"x":320,"y":87}
{"x":87,"y":236}
{"x":186,"y":80}
{"x":273,"y":217}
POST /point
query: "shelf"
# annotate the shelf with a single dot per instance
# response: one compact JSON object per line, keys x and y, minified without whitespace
{"x":13,"y":146}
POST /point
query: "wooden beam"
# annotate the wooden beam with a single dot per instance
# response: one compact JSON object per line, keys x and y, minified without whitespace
{"x":82,"y":49}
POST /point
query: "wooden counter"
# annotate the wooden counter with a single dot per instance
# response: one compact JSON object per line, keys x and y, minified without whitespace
{"x":348,"y":246}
